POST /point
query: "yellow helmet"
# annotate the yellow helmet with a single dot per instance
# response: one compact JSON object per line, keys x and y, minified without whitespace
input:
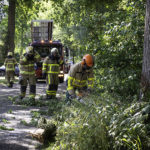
{"x":29,"y":49}
{"x":9,"y":54}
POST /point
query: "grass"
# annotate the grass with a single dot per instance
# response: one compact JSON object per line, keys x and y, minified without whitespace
{"x":33,"y":122}
{"x":4,"y":82}
{"x":5,"y":128}
{"x":5,"y":121}
{"x":9,"y":111}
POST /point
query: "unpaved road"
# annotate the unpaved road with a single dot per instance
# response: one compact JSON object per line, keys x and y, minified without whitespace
{"x":11,"y":116}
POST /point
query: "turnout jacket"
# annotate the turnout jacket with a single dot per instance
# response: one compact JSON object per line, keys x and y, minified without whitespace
{"x":51,"y":68}
{"x":10,"y":64}
{"x":27,"y":66}
{"x":79,"y":78}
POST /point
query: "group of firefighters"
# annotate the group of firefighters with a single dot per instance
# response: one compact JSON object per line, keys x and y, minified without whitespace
{"x":80,"y":77}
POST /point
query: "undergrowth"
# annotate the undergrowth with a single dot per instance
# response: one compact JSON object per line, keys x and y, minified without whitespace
{"x":102,"y":123}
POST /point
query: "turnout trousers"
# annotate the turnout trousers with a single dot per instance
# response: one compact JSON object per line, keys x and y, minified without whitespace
{"x":52,"y":81}
{"x":31,"y":80}
{"x":10,"y":76}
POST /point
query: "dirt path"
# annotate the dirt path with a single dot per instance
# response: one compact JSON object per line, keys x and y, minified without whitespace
{"x":12,"y":116}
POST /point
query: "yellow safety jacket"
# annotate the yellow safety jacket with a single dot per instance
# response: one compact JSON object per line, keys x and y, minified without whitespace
{"x":27,"y":66}
{"x":79,"y":78}
{"x":52,"y":69}
{"x":10,"y":64}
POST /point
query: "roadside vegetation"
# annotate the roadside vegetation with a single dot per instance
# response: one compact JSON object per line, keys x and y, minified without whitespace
{"x":100,"y":123}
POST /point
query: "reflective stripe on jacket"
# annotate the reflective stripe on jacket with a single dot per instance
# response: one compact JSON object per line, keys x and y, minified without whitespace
{"x":27,"y":66}
{"x":79,"y":78}
{"x":51,"y":66}
{"x":10,"y":64}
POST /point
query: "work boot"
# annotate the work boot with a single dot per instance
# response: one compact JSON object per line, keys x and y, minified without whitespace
{"x":11,"y":84}
{"x":21,"y":97}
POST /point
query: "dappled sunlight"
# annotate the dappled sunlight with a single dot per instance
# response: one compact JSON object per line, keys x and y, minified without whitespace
{"x":21,"y":133}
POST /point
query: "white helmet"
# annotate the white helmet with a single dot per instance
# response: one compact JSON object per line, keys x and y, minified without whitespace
{"x":54,"y":51}
{"x":29,"y":49}
{"x":9,"y":54}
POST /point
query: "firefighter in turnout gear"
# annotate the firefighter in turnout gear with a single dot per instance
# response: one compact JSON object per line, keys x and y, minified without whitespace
{"x":50,"y":71}
{"x":10,"y":63}
{"x":80,"y":78}
{"x":27,"y":72}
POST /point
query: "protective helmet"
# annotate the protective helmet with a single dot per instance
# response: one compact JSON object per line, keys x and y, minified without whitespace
{"x":88,"y":60}
{"x":54,"y":51}
{"x":29,"y":50}
{"x":9,"y":54}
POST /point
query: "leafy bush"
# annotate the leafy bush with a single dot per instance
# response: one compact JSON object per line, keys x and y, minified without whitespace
{"x":103,"y":123}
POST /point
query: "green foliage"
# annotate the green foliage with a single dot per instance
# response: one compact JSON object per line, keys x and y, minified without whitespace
{"x":35,"y":114}
{"x":5,"y":128}
{"x":103,"y":124}
{"x":82,"y":129}
{"x":23,"y":122}
{"x":9,"y":111}
{"x":5,"y":121}
{"x":3,"y":82}
{"x":113,"y":32}
{"x":120,"y":54}
{"x":33,"y":122}
{"x":54,"y":107}
{"x":128,"y":129}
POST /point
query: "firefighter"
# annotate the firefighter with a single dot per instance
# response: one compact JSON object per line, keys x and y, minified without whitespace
{"x":10,"y":63}
{"x":50,"y":71}
{"x":27,"y":72}
{"x":80,"y":78}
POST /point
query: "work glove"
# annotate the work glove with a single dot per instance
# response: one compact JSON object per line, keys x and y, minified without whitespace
{"x":44,"y":75}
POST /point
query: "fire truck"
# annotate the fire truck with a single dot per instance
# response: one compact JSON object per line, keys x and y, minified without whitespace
{"x":42,"y":42}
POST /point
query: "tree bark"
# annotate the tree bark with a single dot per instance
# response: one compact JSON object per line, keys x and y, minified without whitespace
{"x":145,"y":78}
{"x":11,"y":25}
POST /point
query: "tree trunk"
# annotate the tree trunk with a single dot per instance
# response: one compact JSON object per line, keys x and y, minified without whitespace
{"x":22,"y":34}
{"x":11,"y":25}
{"x":145,"y":78}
